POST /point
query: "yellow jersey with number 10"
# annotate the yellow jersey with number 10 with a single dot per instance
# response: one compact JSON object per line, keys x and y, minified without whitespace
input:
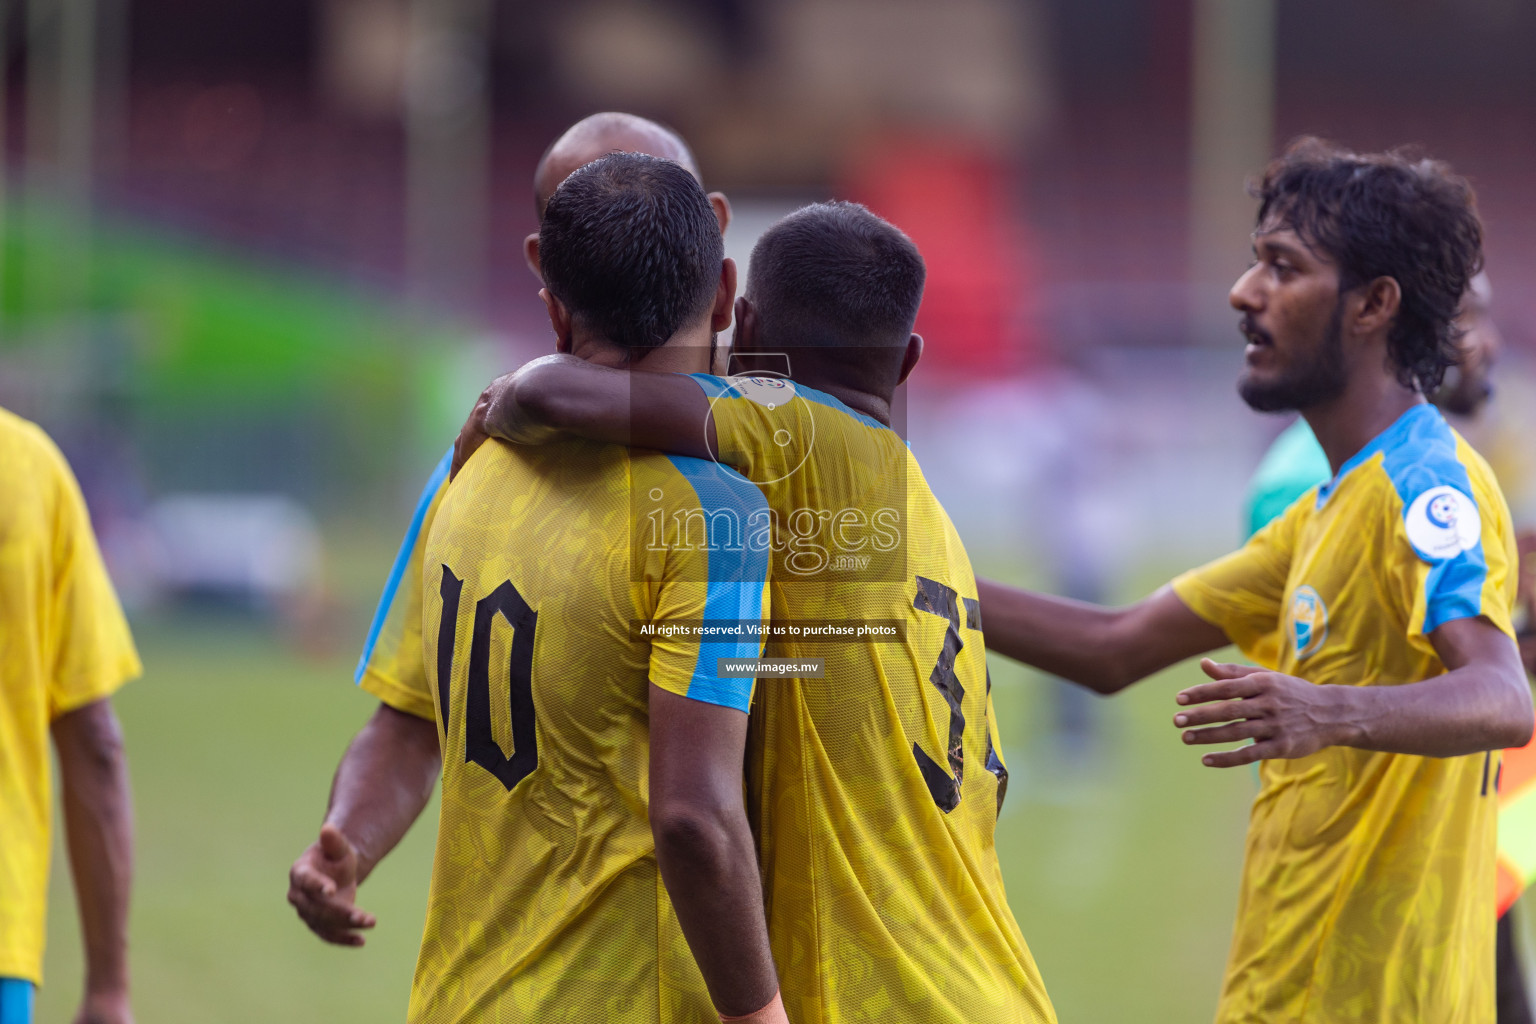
{"x":875,"y":787}
{"x":1368,"y":881}
{"x":543,"y":569}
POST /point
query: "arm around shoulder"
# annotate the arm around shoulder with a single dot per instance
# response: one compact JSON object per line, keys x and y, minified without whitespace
{"x":563,"y":396}
{"x":546,"y":397}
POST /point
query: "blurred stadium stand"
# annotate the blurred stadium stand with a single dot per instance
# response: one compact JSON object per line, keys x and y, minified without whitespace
{"x":337,"y":190}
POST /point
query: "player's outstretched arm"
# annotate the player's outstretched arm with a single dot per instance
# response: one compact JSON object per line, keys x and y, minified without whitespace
{"x":1103,"y":649}
{"x":705,"y":850}
{"x":98,"y":826}
{"x":382,"y":783}
{"x":1480,"y":703}
{"x":563,"y":396}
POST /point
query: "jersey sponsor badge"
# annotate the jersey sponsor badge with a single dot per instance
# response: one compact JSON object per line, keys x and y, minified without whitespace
{"x":1308,"y":622}
{"x":1442,"y":523}
{"x":769,"y":391}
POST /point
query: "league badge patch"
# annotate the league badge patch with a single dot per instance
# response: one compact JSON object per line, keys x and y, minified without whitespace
{"x":1307,"y":621}
{"x":1442,"y":523}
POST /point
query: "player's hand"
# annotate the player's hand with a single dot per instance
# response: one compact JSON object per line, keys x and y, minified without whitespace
{"x":322,"y":886}
{"x":1282,"y":715}
{"x":473,"y":434}
{"x":104,"y":1008}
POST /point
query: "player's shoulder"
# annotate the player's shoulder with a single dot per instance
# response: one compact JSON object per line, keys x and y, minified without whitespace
{"x":1417,"y":453}
{"x":26,"y":449}
{"x":773,"y":392}
{"x":1443,"y":489}
{"x":1420,"y":452}
{"x":23,"y":435}
{"x":1479,"y":471}
{"x":681,"y":482}
{"x":500,"y":466}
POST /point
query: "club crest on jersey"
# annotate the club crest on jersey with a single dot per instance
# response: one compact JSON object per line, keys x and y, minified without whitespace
{"x":1442,"y":523}
{"x":769,"y":391}
{"x":1308,"y":622}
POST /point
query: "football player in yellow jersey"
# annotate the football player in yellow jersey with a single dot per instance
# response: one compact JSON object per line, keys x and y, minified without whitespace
{"x":567,"y":734}
{"x":1367,"y":889}
{"x":64,"y":650}
{"x":875,"y":785}
{"x":1295,"y":464}
{"x":386,"y":776}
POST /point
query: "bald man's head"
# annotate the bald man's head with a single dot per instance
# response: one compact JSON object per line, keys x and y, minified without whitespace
{"x":597,"y":136}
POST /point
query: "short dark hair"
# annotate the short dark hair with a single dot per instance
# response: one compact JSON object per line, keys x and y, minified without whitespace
{"x":835,"y":275}
{"x":1394,"y":214}
{"x":630,"y":244}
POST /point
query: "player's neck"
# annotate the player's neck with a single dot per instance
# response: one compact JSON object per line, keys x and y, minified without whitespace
{"x":684,"y":352}
{"x":873,"y":406}
{"x":1370,"y":404}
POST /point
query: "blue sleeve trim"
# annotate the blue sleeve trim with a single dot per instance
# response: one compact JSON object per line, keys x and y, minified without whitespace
{"x":737,"y":575}
{"x":1455,"y":589}
{"x":1419,"y":456}
{"x":16,"y":1000}
{"x":713,"y":386}
{"x":402,"y":561}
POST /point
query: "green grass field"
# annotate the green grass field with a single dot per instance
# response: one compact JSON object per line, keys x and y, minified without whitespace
{"x":1121,"y":867}
{"x":232,"y":741}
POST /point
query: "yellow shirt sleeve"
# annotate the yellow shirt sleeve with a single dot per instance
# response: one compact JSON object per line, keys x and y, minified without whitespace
{"x":1243,"y":593}
{"x":92,"y":652}
{"x":1469,"y":576}
{"x":391,"y":667}
{"x":707,"y":573}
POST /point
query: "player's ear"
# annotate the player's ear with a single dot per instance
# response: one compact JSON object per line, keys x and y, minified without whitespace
{"x":559,"y":319}
{"x":909,"y":361}
{"x":531,"y":254}
{"x":722,"y":208}
{"x":725,"y":296}
{"x":1378,"y":305}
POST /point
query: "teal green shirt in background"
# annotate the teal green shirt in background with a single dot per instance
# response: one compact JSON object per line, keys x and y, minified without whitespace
{"x":1294,"y":465}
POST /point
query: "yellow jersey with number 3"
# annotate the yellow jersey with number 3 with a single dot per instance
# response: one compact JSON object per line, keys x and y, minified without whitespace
{"x":542,"y":571}
{"x":63,"y":644}
{"x":1368,"y":880}
{"x":876,"y":787}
